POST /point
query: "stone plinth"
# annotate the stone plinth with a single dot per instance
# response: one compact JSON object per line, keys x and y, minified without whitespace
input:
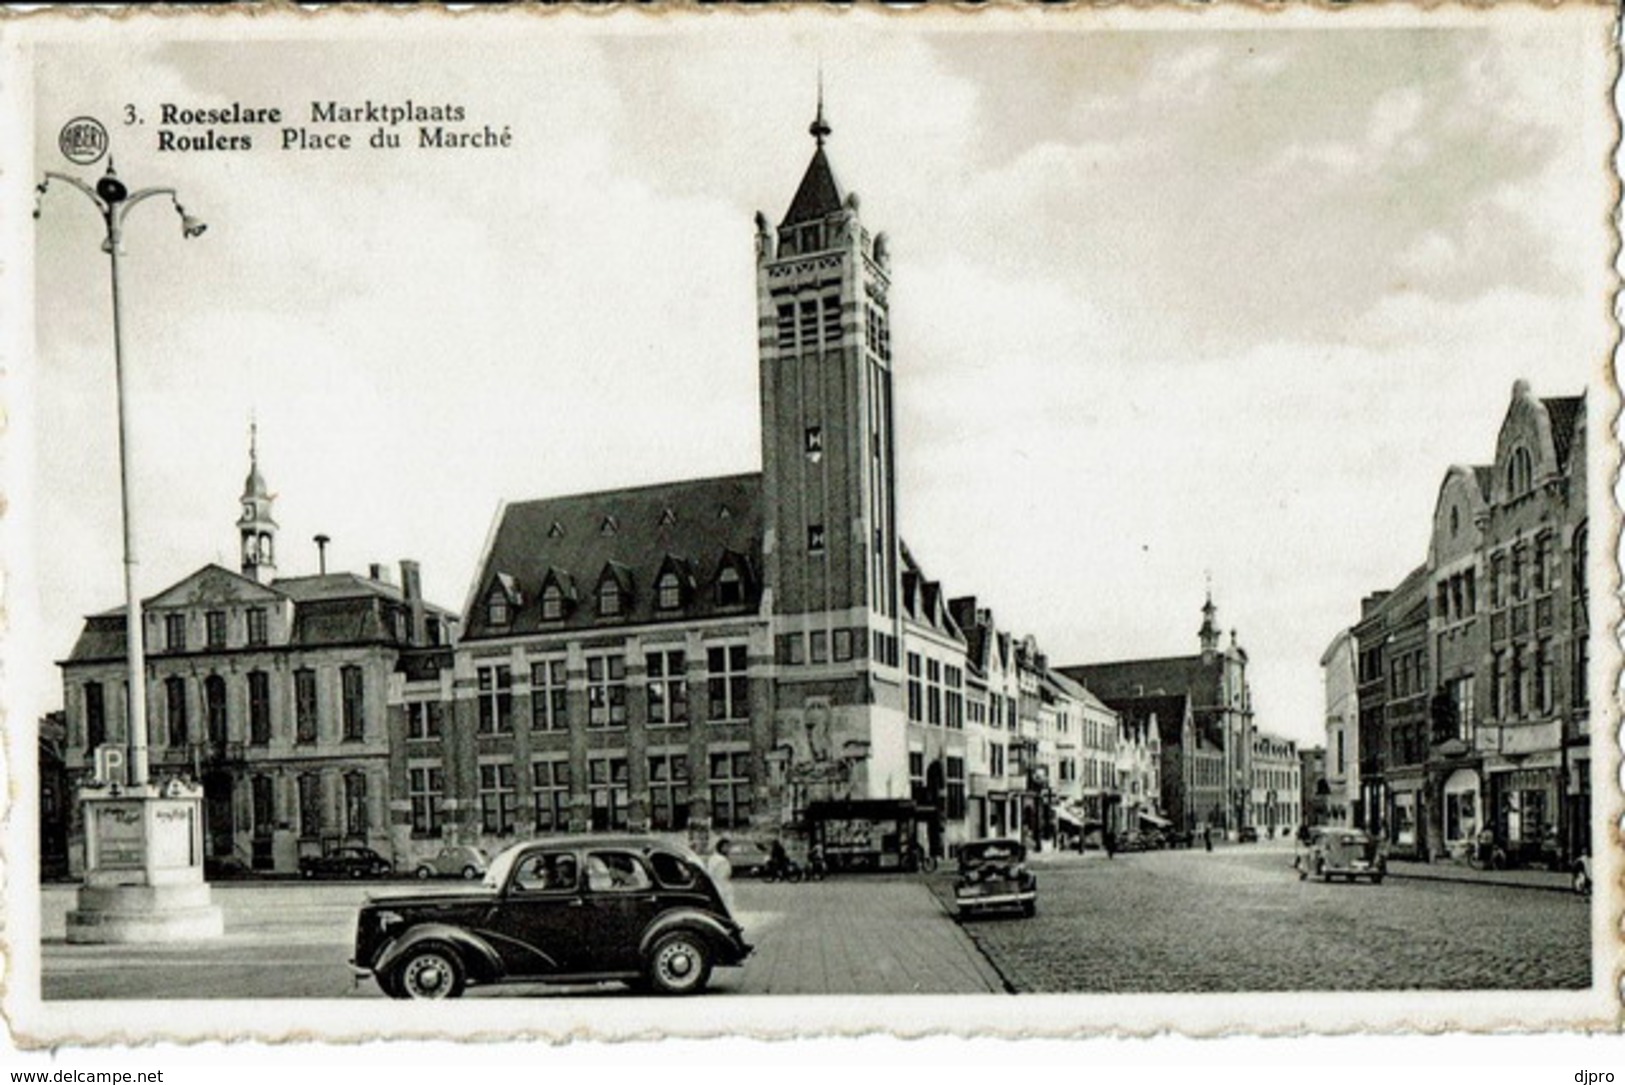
{"x":144,"y":868}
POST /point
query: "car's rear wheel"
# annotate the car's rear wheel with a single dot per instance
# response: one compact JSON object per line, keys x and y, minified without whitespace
{"x":429,"y":972}
{"x":470,"y":873}
{"x":424,"y":873}
{"x":1029,"y":908}
{"x":680,"y":964}
{"x":357,"y":873}
{"x":1376,"y":879}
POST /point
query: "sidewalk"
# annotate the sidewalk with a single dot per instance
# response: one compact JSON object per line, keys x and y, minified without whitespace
{"x":1454,"y":872}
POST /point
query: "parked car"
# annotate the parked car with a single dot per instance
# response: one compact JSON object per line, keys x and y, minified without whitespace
{"x":453,"y":861}
{"x":1342,"y":853}
{"x":1139,"y":840}
{"x":993,"y":874}
{"x":561,"y":910}
{"x":747,"y":858}
{"x":1247,"y":834}
{"x":346,"y":862}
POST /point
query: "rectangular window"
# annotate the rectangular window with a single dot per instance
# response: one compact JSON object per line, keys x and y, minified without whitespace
{"x":175,"y":711}
{"x":730,"y":789}
{"x":916,"y":777}
{"x":843,"y":645}
{"x":263,"y":804}
{"x":355,"y":803}
{"x":95,"y":716}
{"x":214,"y":628}
{"x":1580,"y":681}
{"x":786,"y":326}
{"x":933,"y":692}
{"x":497,"y":799}
{"x":668,"y":791}
{"x":310,"y":805}
{"x":175,"y":632}
{"x":916,"y":692}
{"x":815,"y":538}
{"x":995,"y":759}
{"x":495,"y":699}
{"x":1498,"y":575}
{"x":1543,"y":677}
{"x":304,"y":705}
{"x":355,"y":708}
{"x":819,"y":651}
{"x":606,"y":691}
{"x":259,"y":708}
{"x":832,"y":320}
{"x":257,"y":627}
{"x":549,"y":702}
{"x":955,"y":702}
{"x":424,"y":784}
{"x":608,"y":790}
{"x":550,"y":787}
{"x":727,"y":684}
{"x":668,"y":688}
{"x":1541,"y":570}
{"x":423,"y":720}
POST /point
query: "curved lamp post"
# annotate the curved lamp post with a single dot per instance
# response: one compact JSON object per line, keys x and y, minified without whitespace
{"x":143,"y":879}
{"x":115,"y":202}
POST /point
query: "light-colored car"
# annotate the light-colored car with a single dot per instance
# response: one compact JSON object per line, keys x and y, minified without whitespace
{"x":453,"y":861}
{"x":1342,"y":853}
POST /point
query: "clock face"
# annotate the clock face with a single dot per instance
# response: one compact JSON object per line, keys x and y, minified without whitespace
{"x":248,"y":510}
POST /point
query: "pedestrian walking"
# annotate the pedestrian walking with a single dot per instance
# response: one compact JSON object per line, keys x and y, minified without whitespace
{"x":722,"y":872}
{"x":1207,"y":837}
{"x":1108,"y":840}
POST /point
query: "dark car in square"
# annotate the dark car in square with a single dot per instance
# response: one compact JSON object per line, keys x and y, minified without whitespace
{"x":346,"y":862}
{"x":993,"y":875}
{"x":563,"y":910}
{"x":1334,"y":852}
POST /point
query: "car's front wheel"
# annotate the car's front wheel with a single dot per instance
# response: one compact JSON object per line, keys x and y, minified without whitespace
{"x":428,"y":972}
{"x":470,"y":873}
{"x":680,"y":964}
{"x":423,"y":873}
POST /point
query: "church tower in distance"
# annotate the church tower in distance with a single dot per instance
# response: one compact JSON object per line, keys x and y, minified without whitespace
{"x":828,"y":453}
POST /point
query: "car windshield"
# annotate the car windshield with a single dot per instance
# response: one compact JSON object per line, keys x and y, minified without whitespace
{"x":996,"y":852}
{"x":497,"y":873}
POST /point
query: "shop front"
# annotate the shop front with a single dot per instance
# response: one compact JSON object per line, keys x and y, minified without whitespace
{"x":1526,"y":812}
{"x":1463,"y":805}
{"x":869,"y":834}
{"x":1407,"y":814}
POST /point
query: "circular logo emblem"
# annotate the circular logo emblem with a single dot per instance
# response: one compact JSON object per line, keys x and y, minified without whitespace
{"x":83,"y":140}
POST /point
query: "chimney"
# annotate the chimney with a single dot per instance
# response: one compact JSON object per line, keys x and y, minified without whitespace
{"x":321,"y":553}
{"x":412,"y":589}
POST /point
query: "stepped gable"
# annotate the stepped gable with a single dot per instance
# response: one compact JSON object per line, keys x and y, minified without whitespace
{"x":631,"y":535}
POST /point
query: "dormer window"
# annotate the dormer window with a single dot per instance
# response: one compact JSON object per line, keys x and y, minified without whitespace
{"x":1520,"y":473}
{"x":497,"y":610}
{"x":552,"y":602}
{"x":610,"y":599}
{"x":668,"y":591}
{"x":730,"y":589}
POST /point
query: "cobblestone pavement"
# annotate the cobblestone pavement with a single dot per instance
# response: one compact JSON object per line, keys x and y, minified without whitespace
{"x":1238,"y":919}
{"x":880,"y":935}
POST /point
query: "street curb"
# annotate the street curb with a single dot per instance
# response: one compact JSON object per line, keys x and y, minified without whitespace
{"x":1430,"y":877}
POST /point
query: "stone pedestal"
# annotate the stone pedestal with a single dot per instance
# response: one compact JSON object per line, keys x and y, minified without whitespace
{"x":143,"y":879}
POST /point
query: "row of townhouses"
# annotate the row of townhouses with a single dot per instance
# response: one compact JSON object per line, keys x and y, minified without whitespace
{"x":1458,"y":706}
{"x":752,"y":654}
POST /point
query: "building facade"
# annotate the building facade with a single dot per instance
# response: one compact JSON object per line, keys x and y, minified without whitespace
{"x":1277,"y":787}
{"x":273,"y":693}
{"x":1473,"y":677}
{"x":1338,"y":672}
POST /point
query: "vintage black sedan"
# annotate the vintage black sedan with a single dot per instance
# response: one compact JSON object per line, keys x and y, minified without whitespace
{"x":563,"y":910}
{"x":346,"y":862}
{"x":993,"y":874}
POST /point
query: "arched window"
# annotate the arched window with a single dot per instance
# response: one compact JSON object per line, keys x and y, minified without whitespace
{"x":668,"y":591}
{"x":1520,"y":473}
{"x":730,"y":588}
{"x":609,"y":597}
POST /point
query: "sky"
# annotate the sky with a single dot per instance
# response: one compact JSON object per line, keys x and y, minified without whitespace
{"x":1174,"y":302}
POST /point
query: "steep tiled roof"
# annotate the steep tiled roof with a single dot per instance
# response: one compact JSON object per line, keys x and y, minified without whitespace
{"x":631,"y":532}
{"x":1563,"y":413}
{"x":1170,"y":710}
{"x":1139,"y":677}
{"x":1077,"y":691}
{"x":818,"y":195}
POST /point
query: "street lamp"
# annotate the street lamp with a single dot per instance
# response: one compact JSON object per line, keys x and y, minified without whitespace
{"x":114,"y":201}
{"x":143,"y":878}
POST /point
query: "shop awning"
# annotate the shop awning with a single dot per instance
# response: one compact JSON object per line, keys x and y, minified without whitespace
{"x":1153,"y":819}
{"x":1069,"y":817}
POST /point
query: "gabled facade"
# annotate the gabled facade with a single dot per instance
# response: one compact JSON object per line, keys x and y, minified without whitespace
{"x":1338,"y":671}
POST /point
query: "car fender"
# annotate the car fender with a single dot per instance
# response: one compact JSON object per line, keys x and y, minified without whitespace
{"x":480,"y":959}
{"x":686,"y":919}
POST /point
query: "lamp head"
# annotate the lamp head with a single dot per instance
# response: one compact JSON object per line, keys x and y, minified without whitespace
{"x":191,"y":227}
{"x":110,"y":188}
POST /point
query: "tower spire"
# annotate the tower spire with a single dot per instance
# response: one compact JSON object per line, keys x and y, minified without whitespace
{"x":820,"y":129}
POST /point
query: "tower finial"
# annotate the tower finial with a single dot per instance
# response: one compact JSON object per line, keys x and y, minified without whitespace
{"x":820,"y":129}
{"x":253,"y":439}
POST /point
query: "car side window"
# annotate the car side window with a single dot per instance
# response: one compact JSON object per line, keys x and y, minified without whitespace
{"x":671,"y":871}
{"x":615,"y":872}
{"x":546,"y":872}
